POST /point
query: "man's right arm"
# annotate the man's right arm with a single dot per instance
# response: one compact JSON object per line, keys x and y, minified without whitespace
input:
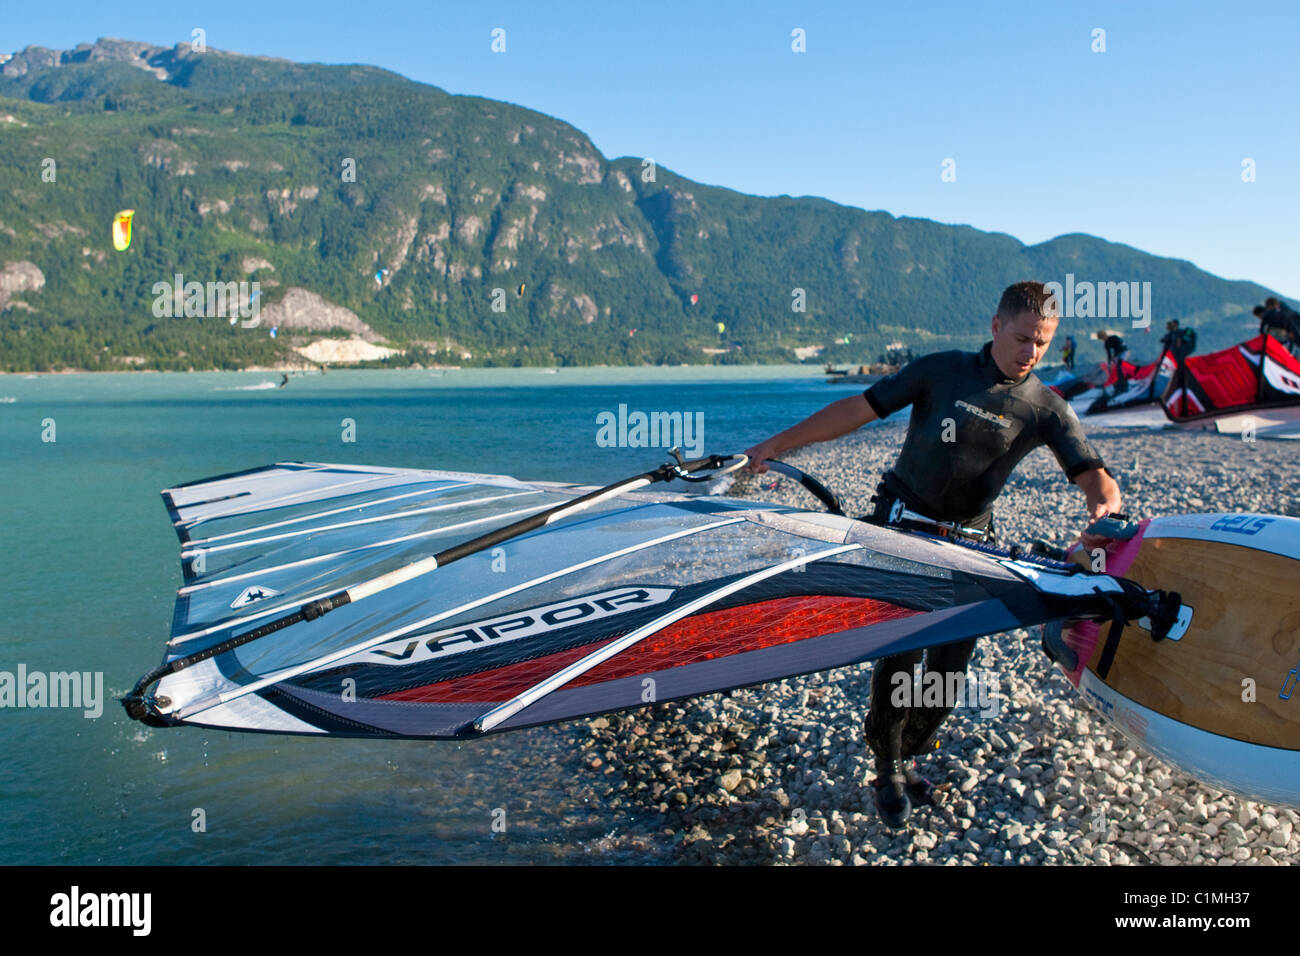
{"x":893,"y":392}
{"x":836,"y":419}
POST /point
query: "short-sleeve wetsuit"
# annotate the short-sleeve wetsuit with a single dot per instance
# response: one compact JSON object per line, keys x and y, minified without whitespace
{"x":970,"y":426}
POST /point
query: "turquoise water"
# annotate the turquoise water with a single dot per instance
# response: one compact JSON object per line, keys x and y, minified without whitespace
{"x":90,"y":569}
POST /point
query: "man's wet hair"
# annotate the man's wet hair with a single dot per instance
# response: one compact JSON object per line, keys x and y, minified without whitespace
{"x":1028,"y":297}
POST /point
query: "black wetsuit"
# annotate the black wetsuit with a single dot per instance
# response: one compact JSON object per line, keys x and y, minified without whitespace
{"x":970,"y":426}
{"x":1179,"y":343}
{"x":1285,"y":321}
{"x":1293,"y":327}
{"x":1115,"y":352}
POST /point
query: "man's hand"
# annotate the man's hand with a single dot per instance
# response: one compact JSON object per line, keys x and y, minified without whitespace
{"x":1103,"y":498}
{"x":758,"y":456}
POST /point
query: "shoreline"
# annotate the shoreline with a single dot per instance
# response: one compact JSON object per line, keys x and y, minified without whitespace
{"x":401,"y":368}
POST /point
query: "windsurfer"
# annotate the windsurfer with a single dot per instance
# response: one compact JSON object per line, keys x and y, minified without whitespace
{"x":974,"y":417}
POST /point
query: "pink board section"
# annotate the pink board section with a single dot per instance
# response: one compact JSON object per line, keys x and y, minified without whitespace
{"x":1083,"y":637}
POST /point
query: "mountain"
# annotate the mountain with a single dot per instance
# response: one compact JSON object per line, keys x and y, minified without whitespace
{"x":386,"y":217}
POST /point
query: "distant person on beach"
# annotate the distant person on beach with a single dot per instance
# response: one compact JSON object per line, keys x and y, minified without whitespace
{"x":1116,"y":356}
{"x":1279,"y":320}
{"x":1283,"y":319}
{"x":1172,"y":339}
{"x":1067,"y":352}
{"x":1001,"y":412}
{"x":1292,"y":319}
{"x":1270,"y":317}
{"x":1178,"y":342}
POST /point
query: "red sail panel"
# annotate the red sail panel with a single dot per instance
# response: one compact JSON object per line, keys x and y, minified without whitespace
{"x":1228,"y":378}
{"x":1131,"y":372}
{"x":701,"y":637}
{"x":1259,"y":373}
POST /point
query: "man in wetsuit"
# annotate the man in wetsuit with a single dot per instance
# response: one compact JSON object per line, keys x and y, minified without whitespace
{"x":1178,"y":341}
{"x":1280,"y":321}
{"x":975,"y":415}
{"x":1292,"y":326}
{"x":1116,"y":354}
{"x":1172,"y":342}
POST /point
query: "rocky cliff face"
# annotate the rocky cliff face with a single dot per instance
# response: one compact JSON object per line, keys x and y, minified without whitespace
{"x":156,"y":59}
{"x":18,"y":277}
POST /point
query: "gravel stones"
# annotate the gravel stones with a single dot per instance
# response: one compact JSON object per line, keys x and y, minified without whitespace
{"x":779,"y":773}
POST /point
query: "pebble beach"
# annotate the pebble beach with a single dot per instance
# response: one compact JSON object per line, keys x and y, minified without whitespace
{"x":777,"y":774}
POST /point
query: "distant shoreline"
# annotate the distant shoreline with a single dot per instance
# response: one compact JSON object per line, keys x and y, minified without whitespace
{"x":283,"y":369}
{"x":813,"y":371}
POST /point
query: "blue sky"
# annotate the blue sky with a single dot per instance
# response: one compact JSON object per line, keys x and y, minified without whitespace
{"x":1141,"y":144}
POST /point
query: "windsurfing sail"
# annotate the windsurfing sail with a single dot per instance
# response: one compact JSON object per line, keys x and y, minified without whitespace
{"x":364,"y":601}
{"x":1258,"y":374}
{"x":1071,"y":386}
